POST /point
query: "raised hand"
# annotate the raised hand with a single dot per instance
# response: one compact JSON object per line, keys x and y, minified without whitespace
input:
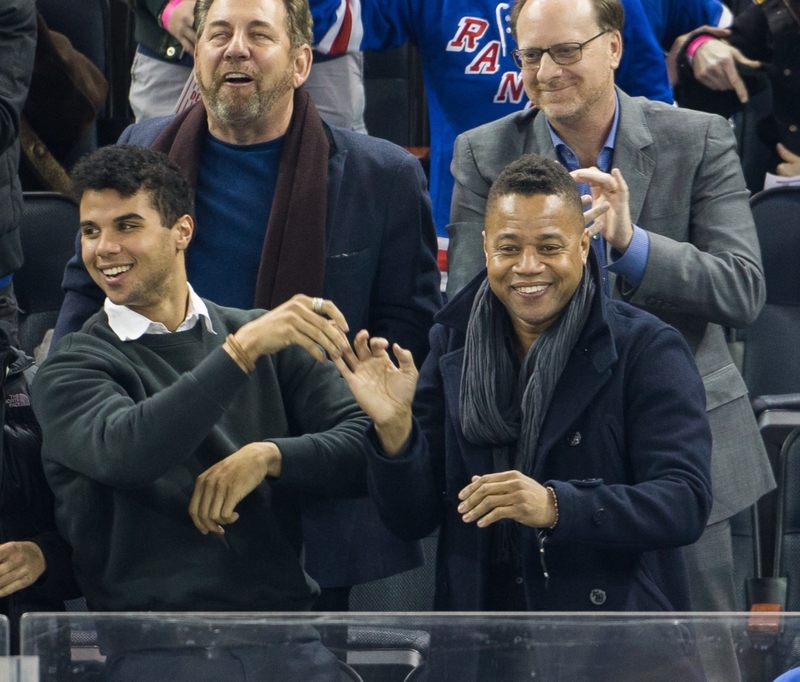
{"x":314,"y":324}
{"x":610,"y":189}
{"x":383,"y":391}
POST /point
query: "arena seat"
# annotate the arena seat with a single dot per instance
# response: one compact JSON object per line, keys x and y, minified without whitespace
{"x":48,"y":229}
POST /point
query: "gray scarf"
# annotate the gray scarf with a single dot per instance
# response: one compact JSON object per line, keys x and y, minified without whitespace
{"x":503,"y":408}
{"x":490,"y":407}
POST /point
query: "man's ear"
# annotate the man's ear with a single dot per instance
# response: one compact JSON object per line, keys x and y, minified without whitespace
{"x":302,"y":65}
{"x":585,"y":245}
{"x":184,"y":228}
{"x":616,"y":48}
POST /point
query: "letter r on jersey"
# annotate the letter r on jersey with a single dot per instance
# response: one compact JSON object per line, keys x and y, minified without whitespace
{"x":470,"y":31}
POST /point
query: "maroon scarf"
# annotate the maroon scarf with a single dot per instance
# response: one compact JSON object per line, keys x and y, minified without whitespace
{"x":293,"y":258}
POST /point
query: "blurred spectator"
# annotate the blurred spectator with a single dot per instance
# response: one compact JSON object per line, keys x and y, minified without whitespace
{"x":66,"y":94}
{"x":35,"y":561}
{"x":336,"y":84}
{"x":35,"y":568}
{"x":763,"y":42}
{"x":163,"y":61}
{"x":17,"y":46}
{"x":672,"y":18}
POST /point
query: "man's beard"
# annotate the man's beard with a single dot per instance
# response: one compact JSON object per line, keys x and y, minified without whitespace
{"x":237,"y":111}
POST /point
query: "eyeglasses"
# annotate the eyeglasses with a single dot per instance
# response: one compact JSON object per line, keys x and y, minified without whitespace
{"x":562,"y":54}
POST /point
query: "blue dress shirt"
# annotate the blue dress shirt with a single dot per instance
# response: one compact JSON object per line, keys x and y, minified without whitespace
{"x":632,"y":263}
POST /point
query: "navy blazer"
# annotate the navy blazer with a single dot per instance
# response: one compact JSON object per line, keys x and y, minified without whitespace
{"x":625,"y":443}
{"x":381,"y":272}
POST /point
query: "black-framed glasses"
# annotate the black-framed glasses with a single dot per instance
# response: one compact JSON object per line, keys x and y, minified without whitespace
{"x":562,"y":54}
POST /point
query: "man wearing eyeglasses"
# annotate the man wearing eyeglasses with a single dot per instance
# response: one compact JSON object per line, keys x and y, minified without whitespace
{"x":678,"y":239}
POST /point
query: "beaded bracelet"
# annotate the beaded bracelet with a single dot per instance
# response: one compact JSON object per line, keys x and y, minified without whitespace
{"x":555,"y":504}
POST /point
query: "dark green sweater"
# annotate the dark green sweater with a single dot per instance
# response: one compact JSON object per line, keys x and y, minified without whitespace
{"x":128,"y":427}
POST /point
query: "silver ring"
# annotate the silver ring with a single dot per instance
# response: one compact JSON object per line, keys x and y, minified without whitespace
{"x":316,"y":305}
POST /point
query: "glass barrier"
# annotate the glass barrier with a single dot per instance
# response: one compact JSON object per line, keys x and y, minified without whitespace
{"x":4,"y":636}
{"x":364,"y":647}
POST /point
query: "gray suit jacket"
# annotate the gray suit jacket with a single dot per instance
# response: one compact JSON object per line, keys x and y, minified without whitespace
{"x":704,"y":267}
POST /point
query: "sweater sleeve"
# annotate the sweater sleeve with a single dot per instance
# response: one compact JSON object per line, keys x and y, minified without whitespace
{"x":327,"y":454}
{"x":91,"y":423}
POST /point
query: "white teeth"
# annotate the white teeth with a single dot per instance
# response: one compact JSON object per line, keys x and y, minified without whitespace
{"x":110,"y":272}
{"x":532,"y":290}
{"x":233,"y":75}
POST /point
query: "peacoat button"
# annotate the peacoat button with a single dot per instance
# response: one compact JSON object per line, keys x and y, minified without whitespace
{"x":171,"y":51}
{"x":792,"y":128}
{"x":519,"y":580}
{"x":599,"y":516}
{"x":597,"y":597}
{"x":575,"y":439}
{"x":787,"y":72}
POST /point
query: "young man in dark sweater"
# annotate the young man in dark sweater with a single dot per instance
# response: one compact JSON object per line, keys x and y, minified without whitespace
{"x":180,"y":436}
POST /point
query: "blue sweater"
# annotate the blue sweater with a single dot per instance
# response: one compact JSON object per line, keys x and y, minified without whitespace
{"x":222,"y":263}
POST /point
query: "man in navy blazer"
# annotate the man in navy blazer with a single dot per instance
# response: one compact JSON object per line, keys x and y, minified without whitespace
{"x":347,"y":218}
{"x":558,"y":440}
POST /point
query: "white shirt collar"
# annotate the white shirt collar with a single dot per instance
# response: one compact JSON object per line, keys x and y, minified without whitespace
{"x":129,"y":325}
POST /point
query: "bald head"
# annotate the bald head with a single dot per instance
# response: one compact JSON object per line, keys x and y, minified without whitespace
{"x":608,"y":15}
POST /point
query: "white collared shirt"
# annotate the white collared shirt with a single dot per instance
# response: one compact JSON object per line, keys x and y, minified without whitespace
{"x":129,"y":325}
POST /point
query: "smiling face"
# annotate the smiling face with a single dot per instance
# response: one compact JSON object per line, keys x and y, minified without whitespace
{"x":246,"y":68}
{"x":568,"y":93}
{"x":131,"y":256}
{"x":536,"y":247}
